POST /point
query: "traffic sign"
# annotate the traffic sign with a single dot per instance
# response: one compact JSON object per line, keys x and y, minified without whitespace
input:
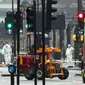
{"x":12,"y":69}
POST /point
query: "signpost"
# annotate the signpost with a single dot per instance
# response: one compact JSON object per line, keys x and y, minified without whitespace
{"x":12,"y":70}
{"x":18,"y":40}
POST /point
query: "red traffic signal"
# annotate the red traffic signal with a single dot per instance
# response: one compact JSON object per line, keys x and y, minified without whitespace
{"x":80,"y":15}
{"x":21,"y":14}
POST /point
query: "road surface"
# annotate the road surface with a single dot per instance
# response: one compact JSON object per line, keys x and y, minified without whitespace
{"x":72,"y":79}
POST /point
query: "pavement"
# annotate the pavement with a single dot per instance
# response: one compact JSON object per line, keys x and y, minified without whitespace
{"x":4,"y":69}
{"x":3,"y":65}
{"x":69,"y":66}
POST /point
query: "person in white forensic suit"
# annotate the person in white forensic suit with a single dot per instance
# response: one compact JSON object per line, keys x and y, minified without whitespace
{"x":69,"y":53}
{"x":7,"y":52}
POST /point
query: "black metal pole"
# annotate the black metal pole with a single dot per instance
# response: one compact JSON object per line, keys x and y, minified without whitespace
{"x":34,"y":4}
{"x":18,"y":40}
{"x":12,"y":74}
{"x":43,"y":38}
{"x":27,"y":43}
{"x":38,"y":5}
{"x":54,"y":38}
{"x":80,"y":7}
{"x":12,"y":78}
{"x":12,"y":5}
{"x":14,"y":32}
{"x":48,"y":18}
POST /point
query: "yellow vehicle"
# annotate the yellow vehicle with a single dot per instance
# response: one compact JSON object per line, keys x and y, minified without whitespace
{"x":54,"y":66}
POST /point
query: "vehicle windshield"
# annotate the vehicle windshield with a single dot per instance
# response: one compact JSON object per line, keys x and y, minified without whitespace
{"x":56,"y":55}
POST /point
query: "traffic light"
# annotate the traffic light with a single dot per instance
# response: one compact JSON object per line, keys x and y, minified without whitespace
{"x":81,"y":20}
{"x":26,"y":26}
{"x":30,"y":19}
{"x":77,"y":37}
{"x":81,"y":37}
{"x":74,"y":37}
{"x":50,"y":13}
{"x":80,"y":16}
{"x":9,"y":22}
{"x":21,"y":22}
{"x":53,"y":9}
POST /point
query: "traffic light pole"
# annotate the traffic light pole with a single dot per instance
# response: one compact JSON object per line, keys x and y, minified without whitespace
{"x":83,"y":69}
{"x":13,"y":46}
{"x":34,"y":4}
{"x":43,"y":38}
{"x":12,"y":5}
{"x":54,"y":37}
{"x":14,"y":32}
{"x":84,"y":42}
{"x":84,"y":30}
{"x":18,"y":40}
{"x":79,"y":5}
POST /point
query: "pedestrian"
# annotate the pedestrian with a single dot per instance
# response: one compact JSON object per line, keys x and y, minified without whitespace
{"x":7,"y":52}
{"x":69,"y":53}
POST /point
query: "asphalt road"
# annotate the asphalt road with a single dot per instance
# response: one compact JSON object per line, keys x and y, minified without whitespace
{"x":72,"y":79}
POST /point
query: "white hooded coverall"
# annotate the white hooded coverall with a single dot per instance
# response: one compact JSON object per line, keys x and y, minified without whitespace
{"x":69,"y":53}
{"x":7,"y":51}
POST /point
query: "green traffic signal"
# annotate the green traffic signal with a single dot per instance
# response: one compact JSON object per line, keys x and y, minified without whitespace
{"x":26,"y":26}
{"x":30,"y":19}
{"x":9,"y":25}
